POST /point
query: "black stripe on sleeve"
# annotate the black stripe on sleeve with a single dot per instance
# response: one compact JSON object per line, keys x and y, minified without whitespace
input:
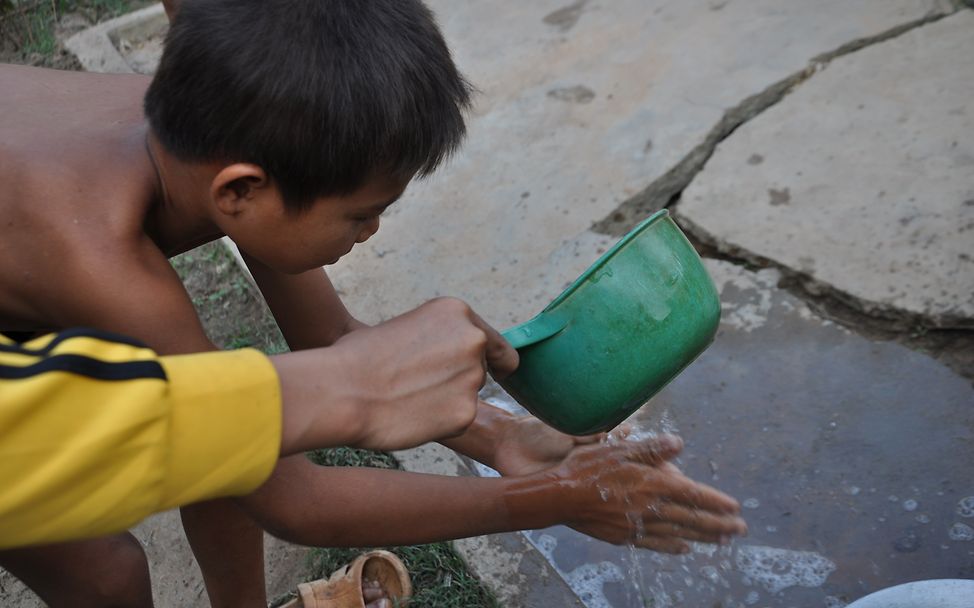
{"x":86,"y":366}
{"x":76,"y":332}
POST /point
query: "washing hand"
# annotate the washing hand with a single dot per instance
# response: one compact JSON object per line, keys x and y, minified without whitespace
{"x":629,"y":492}
{"x":528,"y":445}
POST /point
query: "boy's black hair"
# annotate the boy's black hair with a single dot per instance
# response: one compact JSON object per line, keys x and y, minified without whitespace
{"x":322,"y":94}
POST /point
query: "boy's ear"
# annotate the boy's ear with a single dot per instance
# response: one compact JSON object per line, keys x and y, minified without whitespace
{"x":237,"y":186}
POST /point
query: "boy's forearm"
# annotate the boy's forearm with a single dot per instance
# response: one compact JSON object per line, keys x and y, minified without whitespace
{"x":481,"y":438}
{"x":344,"y":506}
{"x":311,"y":415}
{"x":306,"y":306}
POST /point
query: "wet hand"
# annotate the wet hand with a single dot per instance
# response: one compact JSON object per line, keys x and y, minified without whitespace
{"x":628,"y":492}
{"x":529,"y":445}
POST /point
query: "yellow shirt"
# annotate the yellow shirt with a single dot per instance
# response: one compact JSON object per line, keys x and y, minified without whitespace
{"x":97,"y":432}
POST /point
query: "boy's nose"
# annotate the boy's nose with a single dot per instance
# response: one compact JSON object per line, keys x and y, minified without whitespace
{"x":368,"y":230}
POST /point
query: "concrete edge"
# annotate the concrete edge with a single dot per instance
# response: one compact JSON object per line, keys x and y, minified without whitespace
{"x":95,"y":46}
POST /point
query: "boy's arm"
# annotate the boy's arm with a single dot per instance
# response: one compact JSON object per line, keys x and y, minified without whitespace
{"x":625,"y":492}
{"x":305,"y":306}
{"x":365,"y":382}
{"x":310,"y":314}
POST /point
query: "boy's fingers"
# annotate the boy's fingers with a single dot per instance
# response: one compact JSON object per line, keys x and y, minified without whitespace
{"x":682,"y":490}
{"x":587,"y":439}
{"x":698,"y":520}
{"x":502,"y":359}
{"x":654,"y":451}
{"x":617,"y":434}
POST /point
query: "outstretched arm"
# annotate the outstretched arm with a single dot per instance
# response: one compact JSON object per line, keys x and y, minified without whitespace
{"x":619,"y":493}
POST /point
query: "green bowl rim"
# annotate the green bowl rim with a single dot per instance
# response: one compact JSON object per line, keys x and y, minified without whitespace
{"x":662,"y":213}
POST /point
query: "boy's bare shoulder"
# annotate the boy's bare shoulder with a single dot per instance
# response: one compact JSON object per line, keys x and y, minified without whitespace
{"x":76,"y":186}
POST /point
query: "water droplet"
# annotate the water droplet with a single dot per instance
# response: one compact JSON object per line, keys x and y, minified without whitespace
{"x":752,"y":598}
{"x":910,"y":505}
{"x":771,"y":528}
{"x":961,"y":532}
{"x":908,"y":543}
{"x":710,"y":573}
{"x":751,"y":503}
{"x":923,"y":518}
{"x":893,"y":498}
{"x":852,"y":490}
{"x":965,"y":508}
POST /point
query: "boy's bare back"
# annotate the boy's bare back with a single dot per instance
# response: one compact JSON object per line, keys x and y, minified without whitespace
{"x":78,"y":200}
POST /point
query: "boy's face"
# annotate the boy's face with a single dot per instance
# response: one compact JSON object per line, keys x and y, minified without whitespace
{"x":294,"y":242}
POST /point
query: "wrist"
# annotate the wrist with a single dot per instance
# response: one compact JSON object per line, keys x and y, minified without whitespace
{"x":313,"y":414}
{"x":536,"y":501}
{"x":483,"y":438}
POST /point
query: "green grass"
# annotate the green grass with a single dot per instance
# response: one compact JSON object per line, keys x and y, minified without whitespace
{"x":440,"y":578}
{"x":27,"y":27}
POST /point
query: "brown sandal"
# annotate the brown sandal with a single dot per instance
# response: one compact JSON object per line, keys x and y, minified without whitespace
{"x":344,"y":588}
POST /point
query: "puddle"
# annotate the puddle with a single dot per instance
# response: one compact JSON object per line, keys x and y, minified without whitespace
{"x":851,"y":459}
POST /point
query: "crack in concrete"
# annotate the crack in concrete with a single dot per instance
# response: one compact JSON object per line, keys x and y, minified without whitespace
{"x":666,"y":189}
{"x":952,"y":346}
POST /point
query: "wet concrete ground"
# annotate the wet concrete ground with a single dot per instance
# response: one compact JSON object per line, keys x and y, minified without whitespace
{"x":851,"y":454}
{"x":852,"y":459}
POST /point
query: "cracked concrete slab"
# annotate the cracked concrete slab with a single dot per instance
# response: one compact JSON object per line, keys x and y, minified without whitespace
{"x":116,"y":46}
{"x":582,"y":104}
{"x":861,"y":180}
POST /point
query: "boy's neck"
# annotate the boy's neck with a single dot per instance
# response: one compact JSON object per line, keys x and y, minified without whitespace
{"x":180,"y":217}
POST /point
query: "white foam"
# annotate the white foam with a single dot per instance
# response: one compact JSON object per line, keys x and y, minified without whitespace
{"x":961,"y":532}
{"x":965,"y":507}
{"x":710,"y":573}
{"x":751,"y":503}
{"x":910,"y":505}
{"x":778,"y":569}
{"x":587,"y":581}
{"x":833,"y":602}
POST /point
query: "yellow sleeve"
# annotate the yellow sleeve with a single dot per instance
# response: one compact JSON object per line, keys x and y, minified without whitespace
{"x":97,"y":432}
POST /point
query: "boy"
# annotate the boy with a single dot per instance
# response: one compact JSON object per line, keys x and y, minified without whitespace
{"x":289,"y":126}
